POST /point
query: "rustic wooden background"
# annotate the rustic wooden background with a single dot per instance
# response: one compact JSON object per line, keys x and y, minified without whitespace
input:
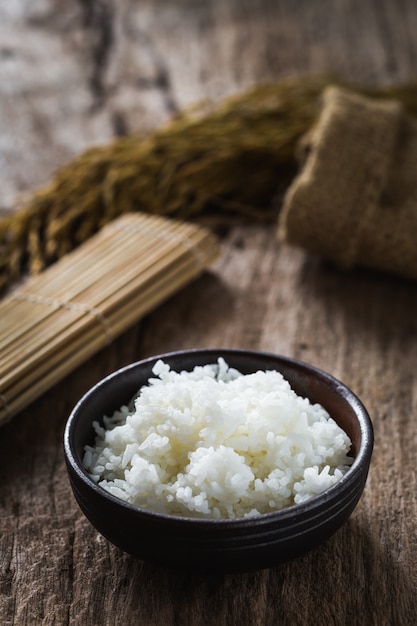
{"x":74,"y":74}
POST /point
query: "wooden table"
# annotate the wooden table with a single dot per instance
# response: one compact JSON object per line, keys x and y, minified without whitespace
{"x":73,"y":74}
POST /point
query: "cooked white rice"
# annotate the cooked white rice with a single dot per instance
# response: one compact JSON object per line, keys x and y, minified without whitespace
{"x":215,"y":443}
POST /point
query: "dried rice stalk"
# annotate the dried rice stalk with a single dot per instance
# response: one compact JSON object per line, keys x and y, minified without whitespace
{"x":234,"y":161}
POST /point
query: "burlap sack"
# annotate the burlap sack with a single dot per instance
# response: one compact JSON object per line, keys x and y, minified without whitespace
{"x":355,"y":199}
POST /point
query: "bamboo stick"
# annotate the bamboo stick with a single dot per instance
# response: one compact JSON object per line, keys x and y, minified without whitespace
{"x":69,"y":292}
{"x":121,"y":285}
{"x":83,"y":326}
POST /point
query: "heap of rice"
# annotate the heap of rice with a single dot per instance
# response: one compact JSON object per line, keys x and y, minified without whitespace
{"x":214,"y":443}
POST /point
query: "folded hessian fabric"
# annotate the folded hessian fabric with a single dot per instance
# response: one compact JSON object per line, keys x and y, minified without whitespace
{"x":354,"y":201}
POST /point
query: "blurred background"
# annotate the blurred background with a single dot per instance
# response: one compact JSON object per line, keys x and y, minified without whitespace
{"x":76,"y":73}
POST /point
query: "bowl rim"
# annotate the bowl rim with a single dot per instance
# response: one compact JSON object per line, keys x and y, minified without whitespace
{"x":290,"y":513}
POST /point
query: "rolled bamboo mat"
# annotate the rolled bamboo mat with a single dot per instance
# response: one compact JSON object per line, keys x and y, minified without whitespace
{"x":61,"y":317}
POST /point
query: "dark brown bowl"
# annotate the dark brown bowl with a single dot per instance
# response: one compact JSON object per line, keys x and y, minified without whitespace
{"x":219,"y":545}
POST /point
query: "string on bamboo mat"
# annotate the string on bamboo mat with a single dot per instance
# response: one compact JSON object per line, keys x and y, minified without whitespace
{"x":232,"y":162}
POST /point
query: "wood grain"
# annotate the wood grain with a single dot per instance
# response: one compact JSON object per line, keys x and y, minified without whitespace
{"x":73,"y":74}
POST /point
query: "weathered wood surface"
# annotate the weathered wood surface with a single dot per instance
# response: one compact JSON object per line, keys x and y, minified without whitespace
{"x":77,"y":73}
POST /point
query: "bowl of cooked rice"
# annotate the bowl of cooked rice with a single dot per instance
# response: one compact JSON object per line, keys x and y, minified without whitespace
{"x":218,"y":460}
